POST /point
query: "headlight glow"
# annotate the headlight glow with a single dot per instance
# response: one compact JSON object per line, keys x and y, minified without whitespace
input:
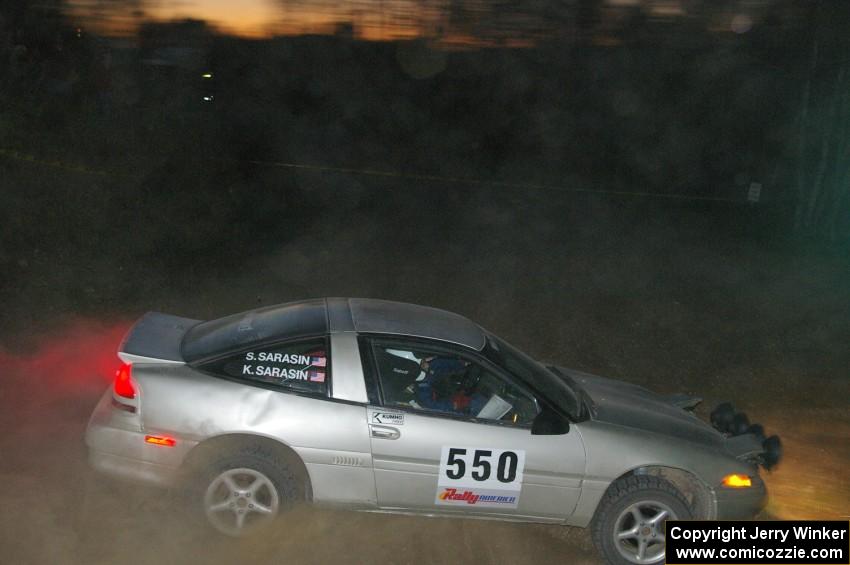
{"x":737,"y":481}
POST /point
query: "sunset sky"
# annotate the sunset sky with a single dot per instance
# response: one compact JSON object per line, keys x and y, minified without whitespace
{"x":245,"y":17}
{"x":373,"y":19}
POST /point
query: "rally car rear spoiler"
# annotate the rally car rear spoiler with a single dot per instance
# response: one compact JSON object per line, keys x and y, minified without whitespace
{"x":155,"y":338}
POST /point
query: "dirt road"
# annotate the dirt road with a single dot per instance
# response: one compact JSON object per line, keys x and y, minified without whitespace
{"x":665,"y":303}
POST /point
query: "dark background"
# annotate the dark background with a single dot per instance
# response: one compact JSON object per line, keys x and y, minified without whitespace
{"x":574,"y":177}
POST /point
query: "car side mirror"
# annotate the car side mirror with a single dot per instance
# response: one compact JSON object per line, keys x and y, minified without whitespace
{"x":549,"y":423}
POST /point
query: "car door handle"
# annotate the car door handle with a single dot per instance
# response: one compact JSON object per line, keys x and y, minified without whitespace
{"x":385,"y":432}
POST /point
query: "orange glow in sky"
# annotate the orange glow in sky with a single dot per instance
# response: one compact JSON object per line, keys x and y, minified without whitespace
{"x":251,"y":18}
{"x":374,"y":20}
{"x":262,"y":18}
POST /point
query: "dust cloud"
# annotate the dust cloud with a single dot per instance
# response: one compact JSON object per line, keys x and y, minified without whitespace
{"x":125,"y":188}
{"x":57,"y":511}
{"x":637,"y":294}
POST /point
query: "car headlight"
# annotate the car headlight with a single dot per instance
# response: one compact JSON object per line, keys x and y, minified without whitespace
{"x":737,"y":481}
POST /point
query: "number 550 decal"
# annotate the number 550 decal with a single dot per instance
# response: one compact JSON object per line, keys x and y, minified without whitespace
{"x":480,"y":476}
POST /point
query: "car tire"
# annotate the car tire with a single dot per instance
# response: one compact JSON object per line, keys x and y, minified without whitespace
{"x":628,"y":527}
{"x":243,"y":493}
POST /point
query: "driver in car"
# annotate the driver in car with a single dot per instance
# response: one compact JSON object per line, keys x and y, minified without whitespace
{"x":447,"y":387}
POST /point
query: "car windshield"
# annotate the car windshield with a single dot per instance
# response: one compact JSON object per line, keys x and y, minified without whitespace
{"x":533,"y":374}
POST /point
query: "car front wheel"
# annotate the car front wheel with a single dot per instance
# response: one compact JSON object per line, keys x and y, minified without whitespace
{"x":628,"y":528}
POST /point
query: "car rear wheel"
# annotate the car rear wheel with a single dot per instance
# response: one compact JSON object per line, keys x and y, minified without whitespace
{"x":244,"y":493}
{"x":628,"y":528}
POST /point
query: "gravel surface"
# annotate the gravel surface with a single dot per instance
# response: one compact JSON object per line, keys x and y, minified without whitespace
{"x":676,"y":299}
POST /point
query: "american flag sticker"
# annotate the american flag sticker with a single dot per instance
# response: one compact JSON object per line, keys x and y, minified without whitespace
{"x":318,"y":361}
{"x":316,"y":376}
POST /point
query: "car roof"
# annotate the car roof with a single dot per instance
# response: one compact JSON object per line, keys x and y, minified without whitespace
{"x":401,"y":318}
{"x":327,"y":315}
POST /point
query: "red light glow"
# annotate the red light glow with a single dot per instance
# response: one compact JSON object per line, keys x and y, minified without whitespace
{"x":78,"y":358}
{"x":123,"y":387}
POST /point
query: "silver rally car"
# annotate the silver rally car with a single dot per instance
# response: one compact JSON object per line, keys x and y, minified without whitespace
{"x":384,"y":406}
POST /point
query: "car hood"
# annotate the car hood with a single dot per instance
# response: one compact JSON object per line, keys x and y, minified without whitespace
{"x":626,"y":404}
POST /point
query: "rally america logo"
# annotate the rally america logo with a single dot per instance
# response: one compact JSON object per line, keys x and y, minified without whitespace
{"x":469,"y":496}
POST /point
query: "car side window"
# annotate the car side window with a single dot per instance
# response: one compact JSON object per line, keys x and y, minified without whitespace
{"x":442,"y":382}
{"x":303,"y":366}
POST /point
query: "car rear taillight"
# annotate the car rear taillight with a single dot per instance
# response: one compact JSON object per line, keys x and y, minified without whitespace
{"x":123,"y":386}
